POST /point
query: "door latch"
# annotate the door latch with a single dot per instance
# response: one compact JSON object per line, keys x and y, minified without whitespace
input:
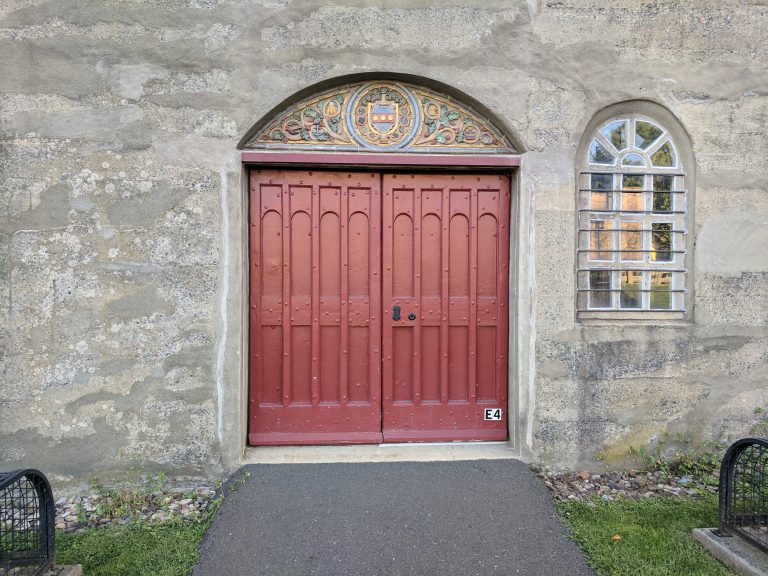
{"x":411,"y":316}
{"x":395,"y":312}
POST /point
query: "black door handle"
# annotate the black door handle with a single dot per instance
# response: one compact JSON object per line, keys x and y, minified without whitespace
{"x":395,"y":312}
{"x":411,"y":316}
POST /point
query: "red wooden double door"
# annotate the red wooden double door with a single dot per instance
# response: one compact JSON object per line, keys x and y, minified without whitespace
{"x":378,"y":307}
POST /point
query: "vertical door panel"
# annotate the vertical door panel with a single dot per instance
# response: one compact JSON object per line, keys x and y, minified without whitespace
{"x":315,"y":308}
{"x":431,"y":373}
{"x":446,"y":251}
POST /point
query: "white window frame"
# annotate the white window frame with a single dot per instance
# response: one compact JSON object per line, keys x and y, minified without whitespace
{"x":677,"y":216}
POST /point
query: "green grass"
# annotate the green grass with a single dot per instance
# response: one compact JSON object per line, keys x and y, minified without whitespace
{"x":136,"y":549}
{"x":655,"y":536}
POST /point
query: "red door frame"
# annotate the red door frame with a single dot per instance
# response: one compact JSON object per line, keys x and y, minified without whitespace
{"x":322,"y":160}
{"x":499,"y":163}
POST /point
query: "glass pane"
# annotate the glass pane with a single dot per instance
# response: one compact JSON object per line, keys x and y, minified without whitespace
{"x":633,"y":160}
{"x":664,"y":156}
{"x":616,"y":132}
{"x":662,"y":198}
{"x":661,"y":284}
{"x":662,"y":242}
{"x":630,"y":181}
{"x":601,"y":181}
{"x":631,"y":282}
{"x":599,"y":155}
{"x":600,"y":240}
{"x":601,"y":200}
{"x":646,"y":134}
{"x":600,"y":282}
{"x":632,"y":200}
{"x":662,"y":182}
{"x":631,"y":239}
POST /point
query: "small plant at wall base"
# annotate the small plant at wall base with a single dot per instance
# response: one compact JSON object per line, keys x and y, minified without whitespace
{"x":239,"y":481}
{"x":137,"y":498}
{"x":760,"y":428}
{"x":676,"y":455}
{"x":130,"y":498}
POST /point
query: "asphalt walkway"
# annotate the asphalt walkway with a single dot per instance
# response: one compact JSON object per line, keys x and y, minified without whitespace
{"x":482,"y":517}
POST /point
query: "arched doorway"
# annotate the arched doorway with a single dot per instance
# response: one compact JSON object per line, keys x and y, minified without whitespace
{"x":379,"y":227}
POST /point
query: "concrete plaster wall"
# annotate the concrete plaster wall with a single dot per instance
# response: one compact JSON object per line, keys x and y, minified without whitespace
{"x":122,"y":210}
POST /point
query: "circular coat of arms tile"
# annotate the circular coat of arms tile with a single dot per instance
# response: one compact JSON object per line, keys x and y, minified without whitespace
{"x":383,"y":115}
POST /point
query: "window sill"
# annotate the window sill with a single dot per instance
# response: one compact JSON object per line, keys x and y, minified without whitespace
{"x":634,"y":317}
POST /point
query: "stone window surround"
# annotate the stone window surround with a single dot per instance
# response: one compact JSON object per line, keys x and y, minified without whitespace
{"x":685,"y":165}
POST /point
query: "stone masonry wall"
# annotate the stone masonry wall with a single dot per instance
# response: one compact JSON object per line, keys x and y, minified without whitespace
{"x":121,"y":211}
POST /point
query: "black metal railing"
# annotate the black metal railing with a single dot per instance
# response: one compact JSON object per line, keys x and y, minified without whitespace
{"x":744,"y":491}
{"x":27,"y":515}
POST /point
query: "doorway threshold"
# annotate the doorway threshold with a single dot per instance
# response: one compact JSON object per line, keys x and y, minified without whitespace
{"x":402,"y":452}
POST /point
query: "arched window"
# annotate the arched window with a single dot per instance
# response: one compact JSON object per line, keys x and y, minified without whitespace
{"x":632,"y":221}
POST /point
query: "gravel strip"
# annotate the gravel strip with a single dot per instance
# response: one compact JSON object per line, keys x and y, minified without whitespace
{"x":632,"y":484}
{"x":79,"y":512}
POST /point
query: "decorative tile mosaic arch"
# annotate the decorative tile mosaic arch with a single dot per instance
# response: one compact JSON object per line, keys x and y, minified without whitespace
{"x":381,"y":117}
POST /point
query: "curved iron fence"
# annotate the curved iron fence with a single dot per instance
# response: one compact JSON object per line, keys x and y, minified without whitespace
{"x":27,"y":515}
{"x":744,"y":491}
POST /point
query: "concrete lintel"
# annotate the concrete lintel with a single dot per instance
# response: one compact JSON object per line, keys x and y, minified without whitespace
{"x":733,"y":552}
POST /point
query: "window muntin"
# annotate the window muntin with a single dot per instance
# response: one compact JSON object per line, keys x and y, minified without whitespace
{"x":632,"y":221}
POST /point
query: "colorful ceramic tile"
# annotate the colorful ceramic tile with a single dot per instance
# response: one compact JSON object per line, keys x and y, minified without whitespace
{"x":382,"y":116}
